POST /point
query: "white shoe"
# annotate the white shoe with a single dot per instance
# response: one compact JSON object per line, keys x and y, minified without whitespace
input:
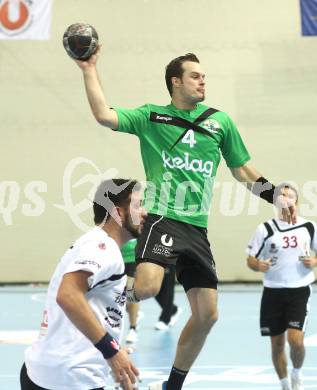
{"x":175,"y":317}
{"x":297,"y":382}
{"x":158,"y":386}
{"x":160,"y":325}
{"x":132,"y":336}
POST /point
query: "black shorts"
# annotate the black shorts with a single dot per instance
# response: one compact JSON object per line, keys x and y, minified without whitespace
{"x":27,"y":384}
{"x":284,"y":308}
{"x":129,"y":269}
{"x":166,"y":241}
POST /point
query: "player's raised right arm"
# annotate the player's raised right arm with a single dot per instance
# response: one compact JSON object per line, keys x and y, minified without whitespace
{"x":97,"y":101}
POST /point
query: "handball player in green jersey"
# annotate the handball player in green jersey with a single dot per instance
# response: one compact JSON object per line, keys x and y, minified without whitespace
{"x":181,"y":146}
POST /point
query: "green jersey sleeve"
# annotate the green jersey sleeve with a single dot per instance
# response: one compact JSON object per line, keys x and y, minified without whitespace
{"x":133,"y":121}
{"x":232,"y":147}
{"x":128,"y":251}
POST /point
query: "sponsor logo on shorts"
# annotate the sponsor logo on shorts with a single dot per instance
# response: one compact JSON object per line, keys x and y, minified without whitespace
{"x":160,"y":249}
{"x":167,"y":240}
{"x":265,"y":330}
{"x":294,"y":324}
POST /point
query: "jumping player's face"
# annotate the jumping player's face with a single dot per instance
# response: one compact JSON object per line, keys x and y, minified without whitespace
{"x":192,"y":83}
{"x":134,"y":215}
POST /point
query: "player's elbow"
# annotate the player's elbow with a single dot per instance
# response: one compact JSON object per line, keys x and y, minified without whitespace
{"x":100,"y":118}
{"x":63,"y":297}
{"x":107,"y":118}
{"x":250,"y":263}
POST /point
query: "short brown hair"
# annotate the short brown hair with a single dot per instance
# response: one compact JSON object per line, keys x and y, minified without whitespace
{"x":112,"y":193}
{"x":175,"y":69}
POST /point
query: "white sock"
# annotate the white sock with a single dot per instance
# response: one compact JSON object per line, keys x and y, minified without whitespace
{"x":297,"y":372}
{"x":284,"y":381}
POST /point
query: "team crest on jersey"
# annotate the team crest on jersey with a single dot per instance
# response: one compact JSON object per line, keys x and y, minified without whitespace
{"x":273,"y":248}
{"x":102,"y":246}
{"x":211,"y":125}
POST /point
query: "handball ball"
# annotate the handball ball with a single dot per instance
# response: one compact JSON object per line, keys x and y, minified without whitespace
{"x":80,"y":41}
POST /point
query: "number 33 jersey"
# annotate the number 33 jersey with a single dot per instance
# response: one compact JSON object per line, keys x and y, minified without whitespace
{"x":284,"y":244}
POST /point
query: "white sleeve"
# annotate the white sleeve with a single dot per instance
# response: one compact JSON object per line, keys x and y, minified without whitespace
{"x":93,"y":259}
{"x":257,"y":241}
{"x":314,"y":240}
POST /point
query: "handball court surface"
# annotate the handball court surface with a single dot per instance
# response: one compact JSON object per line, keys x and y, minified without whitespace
{"x":235,"y":356}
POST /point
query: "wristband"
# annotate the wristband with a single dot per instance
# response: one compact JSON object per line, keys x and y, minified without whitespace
{"x":108,"y":346}
{"x":264,"y":189}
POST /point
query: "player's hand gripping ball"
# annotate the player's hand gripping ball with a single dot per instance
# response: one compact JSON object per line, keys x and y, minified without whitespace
{"x":80,"y":41}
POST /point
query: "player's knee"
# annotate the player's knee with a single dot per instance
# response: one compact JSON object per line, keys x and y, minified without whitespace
{"x":278,"y":348}
{"x":296,"y":343}
{"x":278,"y":344}
{"x":147,"y":289}
{"x":206,"y":320}
{"x":295,"y":339}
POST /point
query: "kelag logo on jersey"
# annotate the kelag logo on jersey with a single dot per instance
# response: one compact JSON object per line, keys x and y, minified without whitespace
{"x":194,"y":165}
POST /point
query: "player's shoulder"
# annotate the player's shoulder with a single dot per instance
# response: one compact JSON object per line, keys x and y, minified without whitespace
{"x":98,"y":242}
{"x":224,"y":119}
{"x":302,"y":221}
{"x":265,"y":228}
{"x":160,"y":109}
{"x":310,"y":224}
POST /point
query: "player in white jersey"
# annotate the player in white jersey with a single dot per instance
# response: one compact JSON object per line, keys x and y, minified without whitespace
{"x":85,"y":304}
{"x":282,"y":252}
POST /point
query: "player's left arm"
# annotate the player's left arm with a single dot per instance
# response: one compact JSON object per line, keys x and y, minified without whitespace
{"x":261,"y":187}
{"x":246,"y":174}
{"x":72,"y":299}
{"x":310,"y":262}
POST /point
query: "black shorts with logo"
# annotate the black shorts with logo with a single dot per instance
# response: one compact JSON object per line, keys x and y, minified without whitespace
{"x":284,"y":308}
{"x":165,"y":241}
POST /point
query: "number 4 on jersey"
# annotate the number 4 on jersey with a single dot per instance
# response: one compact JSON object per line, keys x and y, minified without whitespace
{"x":189,"y":138}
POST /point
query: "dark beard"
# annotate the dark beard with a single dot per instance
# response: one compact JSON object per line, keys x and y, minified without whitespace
{"x":132,"y":229}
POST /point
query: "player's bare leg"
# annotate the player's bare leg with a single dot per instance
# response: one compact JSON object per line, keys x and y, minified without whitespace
{"x":278,"y":355}
{"x":148,"y":280}
{"x":203,"y":303}
{"x":132,"y":309}
{"x":295,"y":339}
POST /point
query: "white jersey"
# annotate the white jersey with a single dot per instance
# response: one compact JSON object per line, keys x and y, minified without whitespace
{"x":284,"y":244}
{"x":63,"y":358}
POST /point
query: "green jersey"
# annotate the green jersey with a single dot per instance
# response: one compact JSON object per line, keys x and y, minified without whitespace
{"x":181,"y":151}
{"x":128,"y":251}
